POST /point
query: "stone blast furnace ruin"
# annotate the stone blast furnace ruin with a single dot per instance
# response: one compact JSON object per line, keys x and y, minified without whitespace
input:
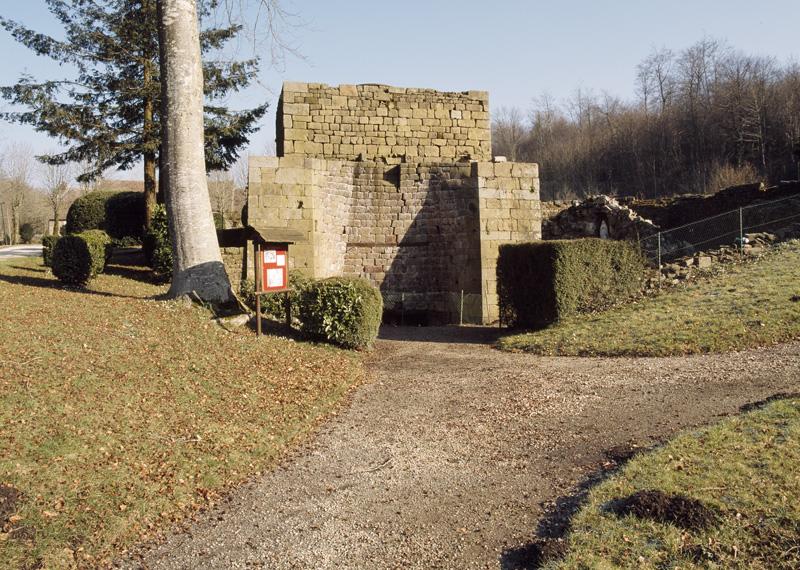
{"x":398,"y":186}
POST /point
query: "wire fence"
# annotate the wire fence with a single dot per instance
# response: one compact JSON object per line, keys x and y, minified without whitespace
{"x":434,"y":307}
{"x":726,"y":229}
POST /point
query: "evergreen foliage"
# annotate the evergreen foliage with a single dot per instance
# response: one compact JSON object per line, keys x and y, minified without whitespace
{"x":342,"y":310}
{"x":157,"y":246}
{"x":541,"y":283}
{"x":78,"y":258}
{"x":26,"y":233}
{"x":48,"y":243}
{"x":108,"y":114}
{"x":87,"y":213}
{"x":125,"y":215}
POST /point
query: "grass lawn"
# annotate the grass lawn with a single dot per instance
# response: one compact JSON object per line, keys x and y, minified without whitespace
{"x":752,"y":304}
{"x":745,"y":469}
{"x":121,"y":414}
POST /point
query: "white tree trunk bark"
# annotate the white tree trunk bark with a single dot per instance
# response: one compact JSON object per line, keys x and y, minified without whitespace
{"x":197,"y":265}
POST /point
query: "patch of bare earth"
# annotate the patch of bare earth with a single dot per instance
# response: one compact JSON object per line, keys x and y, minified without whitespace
{"x":457,"y":455}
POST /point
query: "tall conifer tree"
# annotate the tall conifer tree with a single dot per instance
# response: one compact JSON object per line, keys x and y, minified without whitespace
{"x":108,"y":114}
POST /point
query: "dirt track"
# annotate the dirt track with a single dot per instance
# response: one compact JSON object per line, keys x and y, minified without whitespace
{"x":450,"y":456}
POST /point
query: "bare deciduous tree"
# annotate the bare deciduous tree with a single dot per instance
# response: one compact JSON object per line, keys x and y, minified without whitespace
{"x":18,"y":163}
{"x":57,"y":178}
{"x":508,"y":132}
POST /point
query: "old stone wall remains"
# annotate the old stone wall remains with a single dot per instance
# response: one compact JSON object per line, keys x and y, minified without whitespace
{"x":380,"y":121}
{"x":423,"y":227}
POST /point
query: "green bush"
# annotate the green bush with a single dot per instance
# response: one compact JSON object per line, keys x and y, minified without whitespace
{"x":543,"y":282}
{"x":274,"y":305}
{"x":26,"y":233}
{"x":345,"y":311}
{"x":125,"y":215}
{"x":77,"y":258}
{"x":88,"y":213}
{"x":157,"y":246}
{"x":219,"y":220}
{"x":48,"y":243}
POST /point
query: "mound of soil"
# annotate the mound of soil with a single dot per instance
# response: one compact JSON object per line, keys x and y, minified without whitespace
{"x":658,"y":506}
{"x":775,"y":397}
{"x":8,"y":503}
{"x":536,"y":554}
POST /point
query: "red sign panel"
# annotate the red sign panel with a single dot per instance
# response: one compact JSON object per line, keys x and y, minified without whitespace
{"x":274,"y":270}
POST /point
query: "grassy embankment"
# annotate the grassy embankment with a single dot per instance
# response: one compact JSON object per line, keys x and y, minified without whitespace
{"x":748,"y":305}
{"x":120,"y":414}
{"x":742,"y":470}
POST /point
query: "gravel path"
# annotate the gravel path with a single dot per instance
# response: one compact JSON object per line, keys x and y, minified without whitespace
{"x":15,"y":251}
{"x":453,"y":453}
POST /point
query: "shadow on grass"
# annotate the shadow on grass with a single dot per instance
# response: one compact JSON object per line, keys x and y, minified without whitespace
{"x":550,"y":543}
{"x":30,"y":281}
{"x":28,"y":269}
{"x":275,"y":328}
{"x":135,"y":273}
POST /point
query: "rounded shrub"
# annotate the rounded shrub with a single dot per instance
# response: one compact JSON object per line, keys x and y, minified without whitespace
{"x":88,"y":213}
{"x":48,"y":243}
{"x":342,"y":310}
{"x":77,"y":258}
{"x":125,"y":215}
{"x":157,"y":246}
{"x":26,"y":233}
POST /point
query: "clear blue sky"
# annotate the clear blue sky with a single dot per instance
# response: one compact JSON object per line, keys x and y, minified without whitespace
{"x":514,"y":49}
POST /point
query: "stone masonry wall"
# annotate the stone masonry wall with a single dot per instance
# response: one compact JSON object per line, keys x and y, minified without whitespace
{"x":423,"y":233}
{"x":510,"y":212}
{"x":379,"y":121}
{"x":397,"y":186}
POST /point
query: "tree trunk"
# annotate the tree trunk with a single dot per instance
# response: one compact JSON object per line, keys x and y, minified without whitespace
{"x":14,"y":224}
{"x":149,"y":155}
{"x":197,"y":265}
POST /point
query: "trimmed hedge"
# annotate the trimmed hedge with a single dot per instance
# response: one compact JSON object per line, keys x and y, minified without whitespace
{"x":77,"y":258}
{"x":125,"y":215}
{"x":157,"y":246}
{"x":88,"y":212}
{"x":543,"y":282}
{"x":26,"y":233}
{"x":342,"y":310}
{"x":48,"y":243}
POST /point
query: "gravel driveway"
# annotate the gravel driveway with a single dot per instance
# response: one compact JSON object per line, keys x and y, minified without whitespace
{"x":454,"y":452}
{"x":14,"y":251}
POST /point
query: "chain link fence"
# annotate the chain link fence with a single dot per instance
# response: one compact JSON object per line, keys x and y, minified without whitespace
{"x":432,"y":308}
{"x":781,"y":217}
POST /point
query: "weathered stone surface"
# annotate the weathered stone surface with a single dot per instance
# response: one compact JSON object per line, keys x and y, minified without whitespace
{"x":597,"y":216}
{"x":384,"y":192}
{"x":392,"y":122}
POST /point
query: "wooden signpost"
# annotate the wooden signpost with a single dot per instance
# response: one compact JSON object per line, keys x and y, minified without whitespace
{"x":270,"y":260}
{"x":272,"y":275}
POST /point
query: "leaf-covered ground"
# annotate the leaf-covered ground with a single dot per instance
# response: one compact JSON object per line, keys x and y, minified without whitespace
{"x":744,"y":469}
{"x":121,"y":414}
{"x":753,"y":304}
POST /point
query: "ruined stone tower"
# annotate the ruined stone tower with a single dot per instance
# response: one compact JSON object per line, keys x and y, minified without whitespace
{"x":398,"y":186}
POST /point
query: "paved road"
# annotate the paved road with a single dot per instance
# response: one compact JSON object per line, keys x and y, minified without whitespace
{"x":453,"y":452}
{"x":14,"y":251}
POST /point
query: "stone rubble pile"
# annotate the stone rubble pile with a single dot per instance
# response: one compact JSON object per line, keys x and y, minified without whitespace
{"x":598,"y":216}
{"x":688,"y":268}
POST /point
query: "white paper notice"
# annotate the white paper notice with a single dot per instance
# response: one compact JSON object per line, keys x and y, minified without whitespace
{"x":274,"y":278}
{"x":281,"y":262}
{"x":270,"y":255}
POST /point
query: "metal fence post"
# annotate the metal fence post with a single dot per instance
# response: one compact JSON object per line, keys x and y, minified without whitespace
{"x":659,"y":260}
{"x":461,"y":310}
{"x":741,"y":234}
